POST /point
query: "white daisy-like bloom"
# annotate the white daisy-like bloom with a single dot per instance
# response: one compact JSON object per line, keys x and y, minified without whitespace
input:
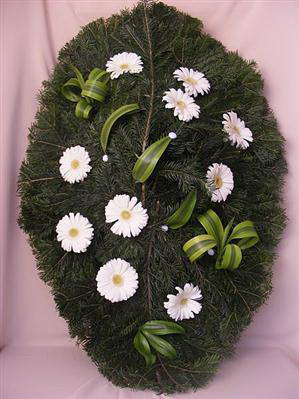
{"x":124,"y":63}
{"x":75,"y":232}
{"x":117,"y":280}
{"x":184,"y":106}
{"x":220,"y":181}
{"x":194,"y":81}
{"x":129,"y":216}
{"x":184,"y":304}
{"x":74,"y":164}
{"x":237,"y":132}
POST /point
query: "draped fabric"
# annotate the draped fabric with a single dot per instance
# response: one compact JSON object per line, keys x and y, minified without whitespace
{"x":38,"y":359}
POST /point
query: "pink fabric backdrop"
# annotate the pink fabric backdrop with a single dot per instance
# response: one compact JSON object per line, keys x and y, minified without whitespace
{"x":38,"y":359}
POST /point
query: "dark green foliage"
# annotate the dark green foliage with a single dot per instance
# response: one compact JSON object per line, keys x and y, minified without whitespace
{"x":165,"y":39}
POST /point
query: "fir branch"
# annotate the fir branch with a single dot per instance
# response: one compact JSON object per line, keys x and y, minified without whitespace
{"x":52,"y":144}
{"x":152,"y":91}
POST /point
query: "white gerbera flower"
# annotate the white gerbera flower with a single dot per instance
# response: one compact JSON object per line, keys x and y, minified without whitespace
{"x":220,"y":181}
{"x":117,"y":280}
{"x":194,"y":81}
{"x":74,"y":164}
{"x":75,"y":232}
{"x":183,"y":305}
{"x":184,"y":105}
{"x":124,"y":63}
{"x":129,"y":216}
{"x":237,"y":132}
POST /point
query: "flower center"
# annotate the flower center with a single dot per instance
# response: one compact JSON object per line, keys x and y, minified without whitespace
{"x":73,"y":232}
{"x":75,"y":164}
{"x":191,"y":81}
{"x":237,"y":130}
{"x":184,"y":301}
{"x":124,"y":66}
{"x":125,"y":215}
{"x":218,"y":182}
{"x":181,"y":105}
{"x":117,"y":279}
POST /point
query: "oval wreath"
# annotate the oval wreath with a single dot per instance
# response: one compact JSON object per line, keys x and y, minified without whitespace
{"x":151,"y":196}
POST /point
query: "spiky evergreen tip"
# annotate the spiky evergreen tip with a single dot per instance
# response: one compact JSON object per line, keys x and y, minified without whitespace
{"x":165,"y":39}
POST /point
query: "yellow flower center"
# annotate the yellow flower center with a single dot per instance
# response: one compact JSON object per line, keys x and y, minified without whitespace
{"x":218,"y":182}
{"x":75,"y":164}
{"x":73,"y":232}
{"x":125,"y":215}
{"x":191,"y":81}
{"x":180,"y":104}
{"x":117,"y":279}
{"x":124,"y":66}
{"x":184,"y":301}
{"x":237,"y":130}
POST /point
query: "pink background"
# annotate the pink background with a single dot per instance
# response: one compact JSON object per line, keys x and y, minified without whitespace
{"x":38,"y":359}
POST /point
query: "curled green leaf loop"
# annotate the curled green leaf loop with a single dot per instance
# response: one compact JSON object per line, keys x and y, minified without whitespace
{"x":229,"y":256}
{"x":213,"y":225}
{"x":71,"y":90}
{"x":85,"y":94}
{"x":246,"y":232}
{"x":147,"y":161}
{"x":94,"y":89}
{"x":182,"y":215}
{"x":121,"y":111}
{"x":82,"y":109}
{"x":198,"y":246}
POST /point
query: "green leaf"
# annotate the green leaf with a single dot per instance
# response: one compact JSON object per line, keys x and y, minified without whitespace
{"x":84,"y":93}
{"x":95,"y":89}
{"x":231,"y":258}
{"x":83,"y":109}
{"x":246,"y":232}
{"x":97,"y":74}
{"x":246,"y":243}
{"x":227,"y":231}
{"x":161,"y":327}
{"x":198,"y":245}
{"x":142,"y":346}
{"x":147,"y":162}
{"x":213,"y":225}
{"x":79,"y":75}
{"x":161,"y":346}
{"x":121,"y":111}
{"x":71,"y":90}
{"x":182,"y":215}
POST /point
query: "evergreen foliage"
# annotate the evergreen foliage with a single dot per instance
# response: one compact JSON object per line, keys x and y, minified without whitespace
{"x":165,"y":39}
